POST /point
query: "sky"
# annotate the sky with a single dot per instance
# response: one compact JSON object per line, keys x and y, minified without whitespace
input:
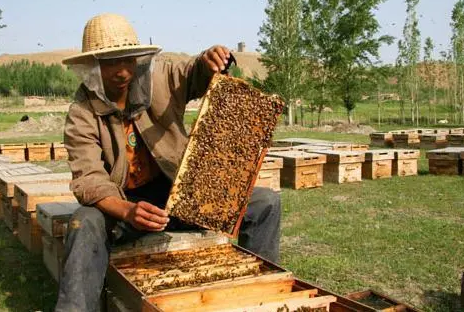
{"x":188,"y":26}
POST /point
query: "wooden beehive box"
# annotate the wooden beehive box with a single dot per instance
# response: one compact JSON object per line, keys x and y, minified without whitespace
{"x":218,"y":278}
{"x":58,"y":151}
{"x":16,"y":152}
{"x":301,"y":169}
{"x":445,"y":161}
{"x":455,"y":140}
{"x":28,"y":196}
{"x":426,"y":131}
{"x":381,"y":139}
{"x":442,"y":131}
{"x":405,"y":162}
{"x":343,"y":166}
{"x":456,"y":131}
{"x":377,"y":164}
{"x":39,"y":151}
{"x":269,"y":174}
{"x":406,"y":140}
{"x":226,"y":148}
{"x":379,"y":302}
{"x":432,"y":141}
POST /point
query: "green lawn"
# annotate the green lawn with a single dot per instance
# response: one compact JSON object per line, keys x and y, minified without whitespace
{"x":401,"y":236}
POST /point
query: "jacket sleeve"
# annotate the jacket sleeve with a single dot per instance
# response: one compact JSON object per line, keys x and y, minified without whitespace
{"x":189,"y":80}
{"x":91,"y":182}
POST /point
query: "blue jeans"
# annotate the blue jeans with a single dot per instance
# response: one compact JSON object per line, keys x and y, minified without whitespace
{"x":90,"y":237}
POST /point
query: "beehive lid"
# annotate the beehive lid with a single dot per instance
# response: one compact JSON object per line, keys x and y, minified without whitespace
{"x":51,"y":189}
{"x":425,"y":131}
{"x":449,"y":153}
{"x":224,"y":154}
{"x":12,"y":146}
{"x":300,"y":158}
{"x":407,"y":154}
{"x":272,"y":163}
{"x":311,"y":147}
{"x":296,"y":141}
{"x":380,"y":154}
{"x":433,"y":137}
{"x":343,"y":157}
{"x":442,"y":131}
{"x":405,"y":136}
{"x":38,"y":145}
{"x":456,"y":131}
{"x":457,"y":136}
{"x":381,"y":135}
{"x":7,"y":183}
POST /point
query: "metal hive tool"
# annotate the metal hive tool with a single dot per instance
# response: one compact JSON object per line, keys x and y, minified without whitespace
{"x":224,"y":154}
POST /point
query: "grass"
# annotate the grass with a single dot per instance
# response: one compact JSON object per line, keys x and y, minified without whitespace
{"x":401,"y":236}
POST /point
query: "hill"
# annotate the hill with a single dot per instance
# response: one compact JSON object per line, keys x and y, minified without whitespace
{"x":247,"y":61}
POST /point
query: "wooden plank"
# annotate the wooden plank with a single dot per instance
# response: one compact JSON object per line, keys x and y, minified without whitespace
{"x":377,"y":169}
{"x":342,"y":173}
{"x":10,"y":214}
{"x":29,"y":195}
{"x":29,"y":231}
{"x":7,"y":183}
{"x":232,"y":295}
{"x":379,"y":301}
{"x":404,"y":167}
{"x":292,"y":304}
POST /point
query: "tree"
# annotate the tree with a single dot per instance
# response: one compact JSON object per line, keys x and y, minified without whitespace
{"x":411,"y":45}
{"x":1,"y":25}
{"x":457,"y":42}
{"x":282,"y":55}
{"x":343,"y":36}
{"x":429,"y":75}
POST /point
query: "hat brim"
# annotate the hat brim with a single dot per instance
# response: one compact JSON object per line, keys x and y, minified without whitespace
{"x":114,"y":52}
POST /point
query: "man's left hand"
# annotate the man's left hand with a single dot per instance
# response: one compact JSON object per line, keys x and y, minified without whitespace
{"x":216,"y":58}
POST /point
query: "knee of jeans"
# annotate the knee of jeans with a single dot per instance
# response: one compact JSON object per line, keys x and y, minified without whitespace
{"x":87,"y":218}
{"x":267,"y":204}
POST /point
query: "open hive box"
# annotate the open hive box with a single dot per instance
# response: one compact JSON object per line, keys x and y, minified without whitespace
{"x":217,"y":278}
{"x":224,"y":154}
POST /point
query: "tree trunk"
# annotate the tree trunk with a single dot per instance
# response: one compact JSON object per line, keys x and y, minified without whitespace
{"x":350,"y":116}
{"x":319,"y":114}
{"x":290,"y":114}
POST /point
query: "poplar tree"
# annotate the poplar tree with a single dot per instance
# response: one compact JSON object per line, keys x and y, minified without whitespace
{"x":411,"y":45}
{"x":282,"y":51}
{"x":429,"y":75}
{"x":457,"y":43}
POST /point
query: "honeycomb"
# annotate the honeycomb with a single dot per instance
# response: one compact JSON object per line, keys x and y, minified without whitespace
{"x":170,"y":270}
{"x":223,"y":156}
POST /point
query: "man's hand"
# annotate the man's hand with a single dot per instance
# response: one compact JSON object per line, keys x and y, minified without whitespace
{"x":147,"y":217}
{"x":216,"y":58}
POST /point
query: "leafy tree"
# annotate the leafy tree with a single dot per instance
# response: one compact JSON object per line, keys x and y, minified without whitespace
{"x":457,"y":41}
{"x":343,"y":38}
{"x":411,"y":55}
{"x":282,"y":47}
{"x":1,"y":25}
{"x":430,"y":74}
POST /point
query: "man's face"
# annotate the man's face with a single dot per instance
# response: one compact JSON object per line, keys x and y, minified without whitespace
{"x":117,"y":74}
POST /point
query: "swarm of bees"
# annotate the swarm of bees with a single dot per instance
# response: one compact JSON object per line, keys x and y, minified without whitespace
{"x":223,"y":156}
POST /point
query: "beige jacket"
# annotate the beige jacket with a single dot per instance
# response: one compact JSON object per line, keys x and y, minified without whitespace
{"x":95,"y":139}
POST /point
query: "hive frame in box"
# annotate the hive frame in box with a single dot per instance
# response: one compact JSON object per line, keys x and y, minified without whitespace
{"x":174,"y":196}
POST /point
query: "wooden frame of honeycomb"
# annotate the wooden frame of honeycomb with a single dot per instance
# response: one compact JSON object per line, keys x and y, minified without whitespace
{"x":226,"y":148}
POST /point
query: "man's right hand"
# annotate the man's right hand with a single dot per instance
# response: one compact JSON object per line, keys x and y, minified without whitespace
{"x":147,"y":217}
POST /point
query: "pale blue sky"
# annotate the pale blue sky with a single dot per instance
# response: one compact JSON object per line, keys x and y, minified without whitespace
{"x":183,"y":25}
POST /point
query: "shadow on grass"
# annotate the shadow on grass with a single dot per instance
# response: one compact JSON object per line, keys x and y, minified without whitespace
{"x":25,"y":284}
{"x":442,"y":301}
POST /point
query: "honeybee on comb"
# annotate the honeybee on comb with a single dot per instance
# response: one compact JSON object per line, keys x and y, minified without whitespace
{"x":223,"y":156}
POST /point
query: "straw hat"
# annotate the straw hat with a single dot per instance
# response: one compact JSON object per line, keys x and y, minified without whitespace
{"x":109,"y":36}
